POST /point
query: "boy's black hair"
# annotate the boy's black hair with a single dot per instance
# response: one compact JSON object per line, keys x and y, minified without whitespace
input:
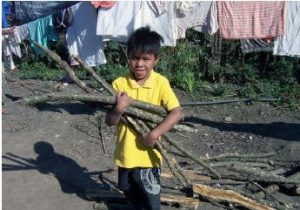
{"x":143,"y":40}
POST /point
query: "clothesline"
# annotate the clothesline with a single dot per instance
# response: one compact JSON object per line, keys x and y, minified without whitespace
{"x":249,"y":22}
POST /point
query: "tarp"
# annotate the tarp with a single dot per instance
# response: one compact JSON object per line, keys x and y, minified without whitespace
{"x":27,"y":11}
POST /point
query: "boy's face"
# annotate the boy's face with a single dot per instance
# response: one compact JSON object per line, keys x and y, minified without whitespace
{"x":141,"y":65}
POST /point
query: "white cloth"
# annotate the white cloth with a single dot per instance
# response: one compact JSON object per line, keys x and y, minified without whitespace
{"x":11,"y":42}
{"x":289,"y":43}
{"x":159,"y":7}
{"x":163,"y":24}
{"x":202,"y":17}
{"x":116,"y":23}
{"x":183,"y":7}
{"x":212,"y":25}
{"x":120,"y":21}
{"x":81,"y":36}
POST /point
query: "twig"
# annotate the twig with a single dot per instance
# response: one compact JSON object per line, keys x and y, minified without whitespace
{"x":198,"y":103}
{"x":240,"y":156}
{"x":268,"y":191}
{"x":99,"y":121}
{"x":264,"y":176}
{"x":240,"y":164}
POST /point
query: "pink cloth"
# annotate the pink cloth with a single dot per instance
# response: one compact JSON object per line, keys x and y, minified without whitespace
{"x":103,"y":4}
{"x":250,"y":19}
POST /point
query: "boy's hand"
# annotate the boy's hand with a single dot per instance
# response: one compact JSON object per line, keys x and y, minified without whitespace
{"x":122,"y":101}
{"x":150,"y":139}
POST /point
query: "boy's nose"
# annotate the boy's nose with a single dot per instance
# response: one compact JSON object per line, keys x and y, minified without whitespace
{"x":139,"y":62}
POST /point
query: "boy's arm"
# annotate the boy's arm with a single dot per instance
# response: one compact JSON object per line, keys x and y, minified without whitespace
{"x":122,"y":102}
{"x":170,"y":120}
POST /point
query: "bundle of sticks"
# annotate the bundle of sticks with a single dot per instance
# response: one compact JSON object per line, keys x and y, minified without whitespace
{"x":224,"y":170}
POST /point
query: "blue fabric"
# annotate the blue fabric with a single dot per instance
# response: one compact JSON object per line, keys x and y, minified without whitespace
{"x":4,"y":21}
{"x":6,"y":10}
{"x":6,"y":7}
{"x":42,"y":31}
{"x":27,"y":11}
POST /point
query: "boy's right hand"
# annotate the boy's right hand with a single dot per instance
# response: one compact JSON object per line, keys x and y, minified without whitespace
{"x":122,"y":102}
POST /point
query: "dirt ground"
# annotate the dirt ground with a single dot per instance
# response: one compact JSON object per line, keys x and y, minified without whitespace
{"x":52,"y":152}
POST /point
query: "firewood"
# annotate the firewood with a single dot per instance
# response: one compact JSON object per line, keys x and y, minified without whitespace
{"x":228,"y":196}
{"x":141,"y":105}
{"x":102,"y":100}
{"x":193,"y":176}
{"x":118,"y":196}
{"x":268,"y":190}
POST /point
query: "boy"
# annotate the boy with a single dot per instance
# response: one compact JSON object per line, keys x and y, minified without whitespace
{"x":138,"y":162}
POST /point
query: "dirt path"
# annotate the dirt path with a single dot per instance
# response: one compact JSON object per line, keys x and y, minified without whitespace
{"x":52,"y":152}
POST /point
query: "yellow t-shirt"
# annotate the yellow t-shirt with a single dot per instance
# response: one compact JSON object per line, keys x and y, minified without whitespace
{"x":130,"y":151}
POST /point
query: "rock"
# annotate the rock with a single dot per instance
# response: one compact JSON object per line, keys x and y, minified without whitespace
{"x":228,"y":119}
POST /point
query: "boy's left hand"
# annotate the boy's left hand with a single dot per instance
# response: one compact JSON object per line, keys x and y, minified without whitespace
{"x":149,"y":139}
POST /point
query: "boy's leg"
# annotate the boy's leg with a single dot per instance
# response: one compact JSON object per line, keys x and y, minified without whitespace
{"x":127,"y":185}
{"x":148,"y":182}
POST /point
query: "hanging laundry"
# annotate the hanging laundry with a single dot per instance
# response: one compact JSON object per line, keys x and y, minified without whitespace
{"x":27,"y":11}
{"x":289,"y":43}
{"x":201,"y":17}
{"x":42,"y":31}
{"x":159,"y":7}
{"x":183,"y":7}
{"x":163,"y":24}
{"x":11,"y":43}
{"x":250,"y":19}
{"x":81,"y":37}
{"x":103,"y":4}
{"x":124,"y":18}
{"x":256,"y":45}
{"x":116,"y":23}
{"x":212,"y":25}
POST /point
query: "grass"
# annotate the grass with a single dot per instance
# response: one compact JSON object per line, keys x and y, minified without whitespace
{"x":191,"y":67}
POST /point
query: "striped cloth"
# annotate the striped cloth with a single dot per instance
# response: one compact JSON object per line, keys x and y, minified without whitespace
{"x":250,"y":19}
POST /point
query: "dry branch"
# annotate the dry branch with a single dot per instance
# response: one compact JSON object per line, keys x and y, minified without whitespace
{"x":104,"y":100}
{"x":65,"y":66}
{"x":263,"y":176}
{"x":248,"y":100}
{"x":228,"y":196}
{"x":192,"y":203}
{"x":240,"y":156}
{"x":190,"y":155}
{"x":141,"y":130}
{"x":99,"y":119}
{"x":268,"y":190}
{"x":101,"y":81}
{"x":138,"y":104}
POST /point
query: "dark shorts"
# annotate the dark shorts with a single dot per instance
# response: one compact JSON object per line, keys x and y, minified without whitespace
{"x":141,"y":187}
